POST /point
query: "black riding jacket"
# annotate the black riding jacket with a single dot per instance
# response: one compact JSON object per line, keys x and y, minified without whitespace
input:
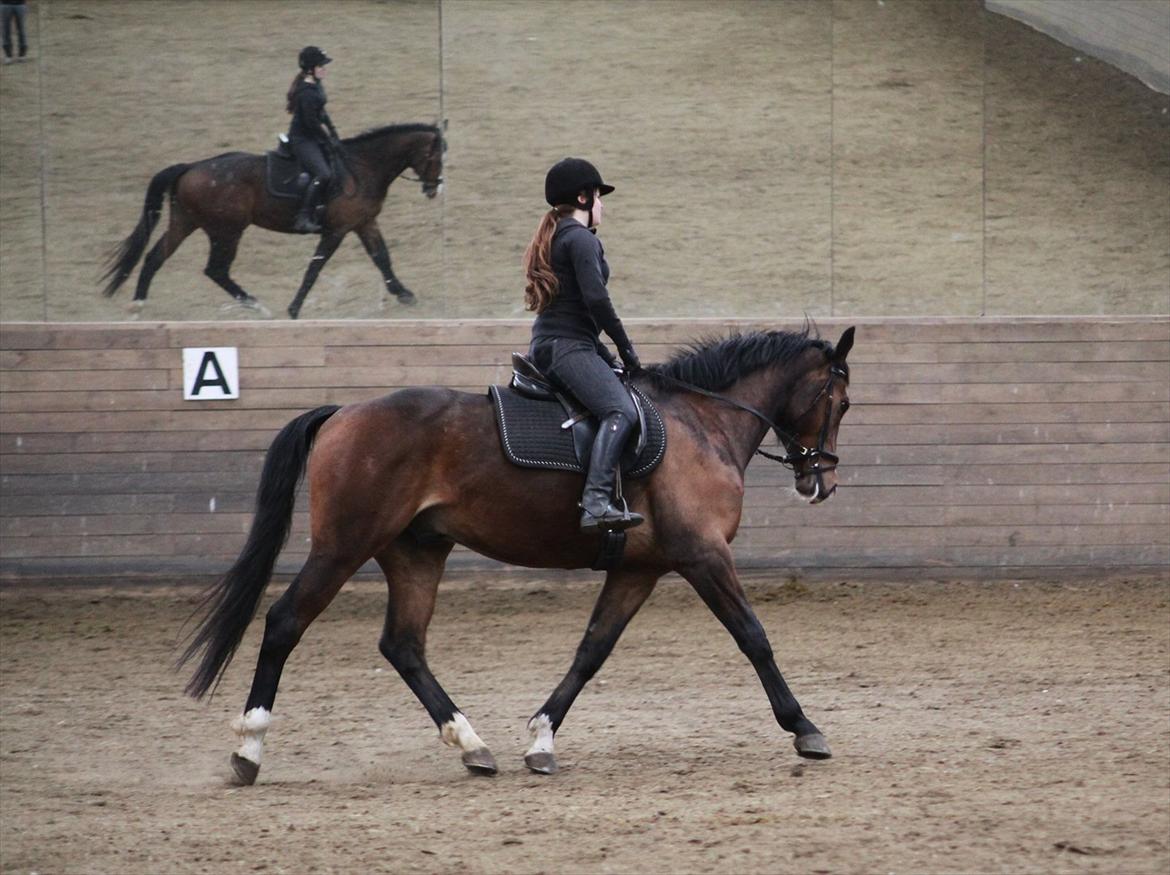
{"x":581,"y":308}
{"x":309,"y":114}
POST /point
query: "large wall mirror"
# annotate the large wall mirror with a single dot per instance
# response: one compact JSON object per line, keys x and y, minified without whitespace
{"x":781,"y":158}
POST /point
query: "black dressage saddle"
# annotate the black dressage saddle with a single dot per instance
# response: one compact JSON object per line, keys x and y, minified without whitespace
{"x":542,"y":427}
{"x":284,"y":177}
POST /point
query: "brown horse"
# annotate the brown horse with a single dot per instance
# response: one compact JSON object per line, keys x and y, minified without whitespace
{"x":226,"y":194}
{"x":404,"y":478}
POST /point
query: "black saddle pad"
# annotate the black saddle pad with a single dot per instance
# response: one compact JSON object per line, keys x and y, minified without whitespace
{"x":531,"y":433}
{"x":282,"y":176}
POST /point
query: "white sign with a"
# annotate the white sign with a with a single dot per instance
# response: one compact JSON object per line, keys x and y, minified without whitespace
{"x":211,"y":374}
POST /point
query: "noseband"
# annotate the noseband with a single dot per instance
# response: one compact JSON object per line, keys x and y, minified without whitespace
{"x":801,"y":453}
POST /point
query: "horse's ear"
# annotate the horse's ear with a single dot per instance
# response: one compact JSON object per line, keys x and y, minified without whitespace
{"x":844,"y":345}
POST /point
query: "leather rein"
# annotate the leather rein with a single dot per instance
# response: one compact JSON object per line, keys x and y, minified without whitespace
{"x":801,"y":453}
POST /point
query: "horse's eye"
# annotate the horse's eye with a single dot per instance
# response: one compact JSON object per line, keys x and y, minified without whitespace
{"x":844,"y":405}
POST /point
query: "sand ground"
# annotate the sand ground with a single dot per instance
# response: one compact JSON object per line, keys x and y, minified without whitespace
{"x":977,"y":727}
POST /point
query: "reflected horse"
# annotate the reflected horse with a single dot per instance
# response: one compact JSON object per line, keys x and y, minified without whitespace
{"x":403,"y":478}
{"x":226,"y":194}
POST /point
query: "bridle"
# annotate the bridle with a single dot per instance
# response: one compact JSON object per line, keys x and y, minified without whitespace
{"x":797,"y":452}
{"x":428,"y":185}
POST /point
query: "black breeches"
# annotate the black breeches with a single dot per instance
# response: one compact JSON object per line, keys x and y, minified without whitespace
{"x":575,"y":366}
{"x":312,"y":158}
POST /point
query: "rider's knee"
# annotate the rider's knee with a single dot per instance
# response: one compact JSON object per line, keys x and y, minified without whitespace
{"x":625,"y":410}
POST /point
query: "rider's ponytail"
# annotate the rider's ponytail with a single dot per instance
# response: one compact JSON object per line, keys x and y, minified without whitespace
{"x":292,"y":90}
{"x":542,"y":283}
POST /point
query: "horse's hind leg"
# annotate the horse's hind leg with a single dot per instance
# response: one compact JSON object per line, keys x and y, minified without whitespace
{"x":716,"y":582}
{"x":412,"y":572}
{"x":219,"y":263}
{"x":178,"y":229}
{"x":623,"y":594}
{"x":287,"y":619}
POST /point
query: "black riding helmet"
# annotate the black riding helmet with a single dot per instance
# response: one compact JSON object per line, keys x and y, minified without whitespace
{"x":311,"y":57}
{"x":568,"y":178}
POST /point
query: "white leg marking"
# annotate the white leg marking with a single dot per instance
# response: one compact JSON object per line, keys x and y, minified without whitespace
{"x":457,"y":732}
{"x":540,"y":728}
{"x":250,"y":727}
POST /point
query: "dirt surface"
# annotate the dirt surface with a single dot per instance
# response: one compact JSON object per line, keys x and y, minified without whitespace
{"x":907,"y":157}
{"x":977,"y":727}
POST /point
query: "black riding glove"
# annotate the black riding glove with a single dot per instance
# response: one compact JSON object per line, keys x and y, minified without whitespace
{"x":630,"y":360}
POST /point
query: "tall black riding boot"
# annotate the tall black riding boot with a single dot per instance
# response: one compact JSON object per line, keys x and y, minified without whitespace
{"x":597,"y":508}
{"x":305,"y":222}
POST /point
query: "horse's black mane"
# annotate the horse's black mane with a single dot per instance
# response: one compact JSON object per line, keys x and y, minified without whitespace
{"x":385,"y":130}
{"x":714,"y":363}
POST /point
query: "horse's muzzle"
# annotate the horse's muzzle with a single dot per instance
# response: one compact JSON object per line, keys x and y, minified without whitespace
{"x":817,"y":484}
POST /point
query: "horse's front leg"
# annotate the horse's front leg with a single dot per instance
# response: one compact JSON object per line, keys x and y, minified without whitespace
{"x":325,"y":249}
{"x":714,"y":578}
{"x":622,"y":595}
{"x":371,"y":237}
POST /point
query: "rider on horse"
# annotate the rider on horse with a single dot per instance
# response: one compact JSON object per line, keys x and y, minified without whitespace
{"x":566,"y":274}
{"x":310,"y":133}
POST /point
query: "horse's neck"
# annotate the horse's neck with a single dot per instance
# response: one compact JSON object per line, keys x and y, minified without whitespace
{"x":385,"y":161}
{"x":743,"y":431}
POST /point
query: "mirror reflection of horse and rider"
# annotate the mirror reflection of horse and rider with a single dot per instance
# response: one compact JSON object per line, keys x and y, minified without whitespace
{"x":314,"y":183}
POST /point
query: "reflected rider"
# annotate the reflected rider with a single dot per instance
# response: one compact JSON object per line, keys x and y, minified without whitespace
{"x":311,"y":133}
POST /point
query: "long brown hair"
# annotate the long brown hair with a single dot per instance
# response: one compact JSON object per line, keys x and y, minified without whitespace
{"x":542,"y":284}
{"x":292,"y":90}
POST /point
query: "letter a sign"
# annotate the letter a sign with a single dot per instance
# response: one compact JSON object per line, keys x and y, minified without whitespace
{"x":211,"y":374}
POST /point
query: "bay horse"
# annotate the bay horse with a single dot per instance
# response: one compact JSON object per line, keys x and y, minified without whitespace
{"x":403,"y":478}
{"x":225,"y":194}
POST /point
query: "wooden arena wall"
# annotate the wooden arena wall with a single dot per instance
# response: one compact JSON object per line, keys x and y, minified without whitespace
{"x":975,"y":447}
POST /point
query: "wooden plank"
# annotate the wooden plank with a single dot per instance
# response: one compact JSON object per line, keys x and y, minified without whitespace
{"x":1070,"y":352}
{"x":1021,"y":393}
{"x":133,"y":359}
{"x":245,"y":462}
{"x":930,"y":538}
{"x":997,"y":433}
{"x":1008,"y":373}
{"x":209,"y":482}
{"x":125,"y":525}
{"x":901,"y":414}
{"x":878,"y":497}
{"x":839,"y":516}
{"x":47,"y":335}
{"x":931,"y":476}
{"x":92,"y":381}
{"x":137,"y":442}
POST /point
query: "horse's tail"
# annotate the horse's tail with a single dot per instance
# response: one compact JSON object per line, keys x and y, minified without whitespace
{"x":230,"y":605}
{"x":126,"y":254}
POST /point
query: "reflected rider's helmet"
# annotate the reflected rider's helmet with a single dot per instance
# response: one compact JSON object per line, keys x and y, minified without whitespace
{"x":569,"y":177}
{"x":311,"y":57}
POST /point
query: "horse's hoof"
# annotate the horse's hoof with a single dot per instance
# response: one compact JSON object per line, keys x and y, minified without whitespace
{"x":813,"y":746}
{"x":480,"y":762}
{"x":245,"y":770}
{"x":542,"y":763}
{"x":250,"y":303}
{"x":293,"y":312}
{"x":406,"y":297}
